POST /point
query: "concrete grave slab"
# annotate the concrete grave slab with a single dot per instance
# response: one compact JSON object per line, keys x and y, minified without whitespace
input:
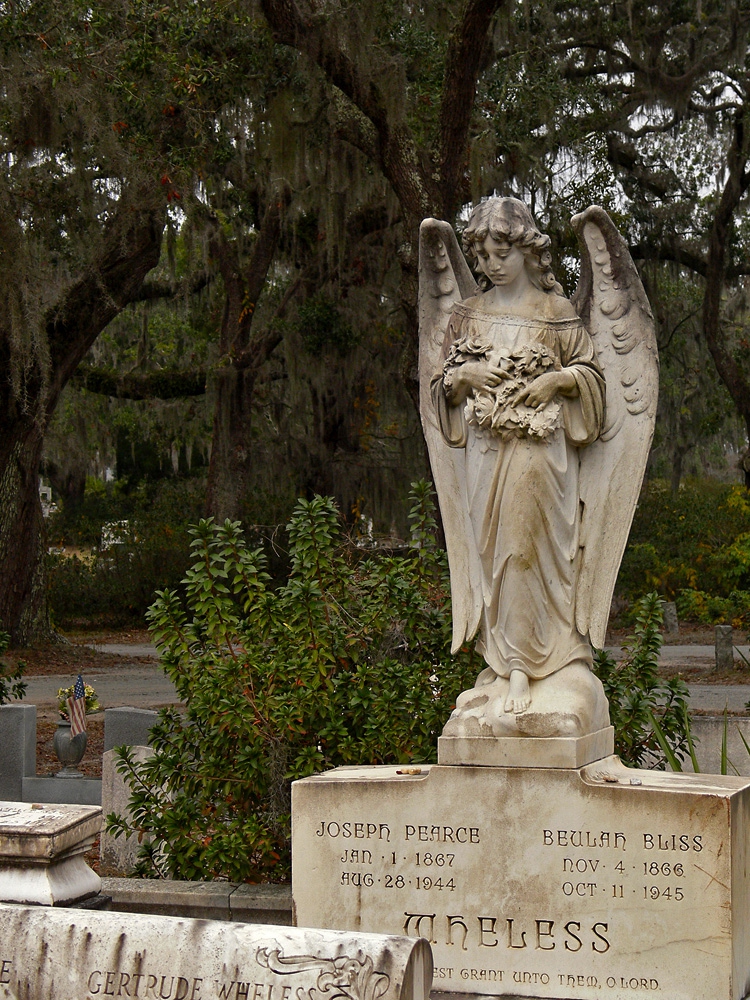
{"x":59,"y":954}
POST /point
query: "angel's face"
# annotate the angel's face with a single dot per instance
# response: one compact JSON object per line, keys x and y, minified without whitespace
{"x":503,"y":263}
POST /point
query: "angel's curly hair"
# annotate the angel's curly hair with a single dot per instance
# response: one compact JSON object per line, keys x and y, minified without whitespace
{"x":509,"y":220}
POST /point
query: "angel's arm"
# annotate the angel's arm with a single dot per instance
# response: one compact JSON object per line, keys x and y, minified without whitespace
{"x":583,"y":411}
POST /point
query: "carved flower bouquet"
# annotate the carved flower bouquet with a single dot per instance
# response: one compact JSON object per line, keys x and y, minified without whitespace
{"x":495,"y":408}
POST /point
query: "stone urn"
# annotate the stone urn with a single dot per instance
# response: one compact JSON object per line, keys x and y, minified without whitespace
{"x":69,"y":749}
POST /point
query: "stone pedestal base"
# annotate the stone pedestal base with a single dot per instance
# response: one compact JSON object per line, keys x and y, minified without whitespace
{"x":596,"y":883}
{"x":41,"y":853}
{"x":560,"y":751}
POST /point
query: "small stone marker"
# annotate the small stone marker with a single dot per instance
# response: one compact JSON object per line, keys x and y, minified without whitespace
{"x":724,"y":647}
{"x":41,"y":853}
{"x":60,"y":954}
{"x":671,"y":624}
{"x":597,"y":883}
{"x":118,"y":853}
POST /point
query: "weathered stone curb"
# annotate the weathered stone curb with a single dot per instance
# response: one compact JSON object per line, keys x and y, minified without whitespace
{"x":252,"y":904}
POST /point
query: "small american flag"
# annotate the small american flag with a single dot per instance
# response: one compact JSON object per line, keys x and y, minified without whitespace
{"x":77,"y":708}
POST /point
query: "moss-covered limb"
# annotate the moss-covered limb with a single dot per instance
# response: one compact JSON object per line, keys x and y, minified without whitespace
{"x":151,"y":291}
{"x":146,"y":385}
{"x":295,"y":25}
{"x":130,"y":249}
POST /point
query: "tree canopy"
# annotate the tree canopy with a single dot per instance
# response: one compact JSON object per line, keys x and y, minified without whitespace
{"x":277,"y":157}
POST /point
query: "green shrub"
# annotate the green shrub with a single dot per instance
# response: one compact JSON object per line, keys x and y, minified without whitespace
{"x":117,"y":584}
{"x":347,"y":663}
{"x":697,"y":606}
{"x":11,"y":685}
{"x":637,"y":695}
{"x":696,"y":541}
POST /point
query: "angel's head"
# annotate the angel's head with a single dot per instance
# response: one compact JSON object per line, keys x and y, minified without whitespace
{"x":509,"y":222}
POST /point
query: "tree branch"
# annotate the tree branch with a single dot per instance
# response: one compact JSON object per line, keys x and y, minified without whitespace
{"x":153,"y":290}
{"x":396,"y":151}
{"x":131,"y":248}
{"x":468,"y":46}
{"x":670,"y":252}
{"x":353,"y":127}
{"x":146,"y":385}
{"x":731,"y":373}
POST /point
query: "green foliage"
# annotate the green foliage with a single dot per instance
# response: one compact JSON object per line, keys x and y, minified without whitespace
{"x":347,"y":663}
{"x":692,"y":545}
{"x":321,"y":325}
{"x":117,"y":584}
{"x":638,"y":696}
{"x":11,"y":685}
{"x":707,"y":609}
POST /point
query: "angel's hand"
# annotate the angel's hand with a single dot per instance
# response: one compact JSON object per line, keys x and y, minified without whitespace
{"x":545,"y":387}
{"x":477,"y":373}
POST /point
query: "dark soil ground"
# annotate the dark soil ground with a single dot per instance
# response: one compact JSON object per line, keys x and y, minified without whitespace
{"x":73,"y":655}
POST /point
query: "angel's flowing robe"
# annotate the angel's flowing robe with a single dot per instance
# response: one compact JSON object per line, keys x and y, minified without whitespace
{"x":522,"y":495}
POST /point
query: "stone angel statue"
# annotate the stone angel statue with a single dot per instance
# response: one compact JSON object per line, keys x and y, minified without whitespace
{"x":538,"y":414}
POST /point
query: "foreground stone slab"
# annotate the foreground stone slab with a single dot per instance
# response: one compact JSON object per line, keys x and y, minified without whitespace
{"x":60,"y":954}
{"x":42,"y":852}
{"x":598,"y":882}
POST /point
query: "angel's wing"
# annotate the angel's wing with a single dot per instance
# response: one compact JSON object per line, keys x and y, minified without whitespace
{"x":444,"y":279}
{"x":611,"y":302}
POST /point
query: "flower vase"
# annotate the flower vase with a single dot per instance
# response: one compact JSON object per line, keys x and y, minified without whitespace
{"x":69,"y":749}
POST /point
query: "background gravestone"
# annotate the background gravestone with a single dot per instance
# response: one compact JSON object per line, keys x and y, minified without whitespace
{"x":117,"y":855}
{"x":17,"y":749}
{"x":128,"y":727}
{"x":671,"y":624}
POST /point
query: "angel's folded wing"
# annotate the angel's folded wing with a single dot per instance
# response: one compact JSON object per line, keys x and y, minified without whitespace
{"x":444,"y":279}
{"x":611,"y":302}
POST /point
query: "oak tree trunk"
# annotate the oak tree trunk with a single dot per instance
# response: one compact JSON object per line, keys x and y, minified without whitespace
{"x":231,"y":455}
{"x":128,"y":249}
{"x":23,"y":605}
{"x":244,"y":350}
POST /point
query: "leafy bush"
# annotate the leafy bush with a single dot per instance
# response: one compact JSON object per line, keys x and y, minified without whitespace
{"x":697,"y":606}
{"x":11,"y":685}
{"x":637,"y":695}
{"x":692,"y":547}
{"x":117,"y":584}
{"x":347,"y":663}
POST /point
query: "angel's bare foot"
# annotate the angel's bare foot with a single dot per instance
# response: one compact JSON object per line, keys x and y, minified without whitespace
{"x":519,"y":696}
